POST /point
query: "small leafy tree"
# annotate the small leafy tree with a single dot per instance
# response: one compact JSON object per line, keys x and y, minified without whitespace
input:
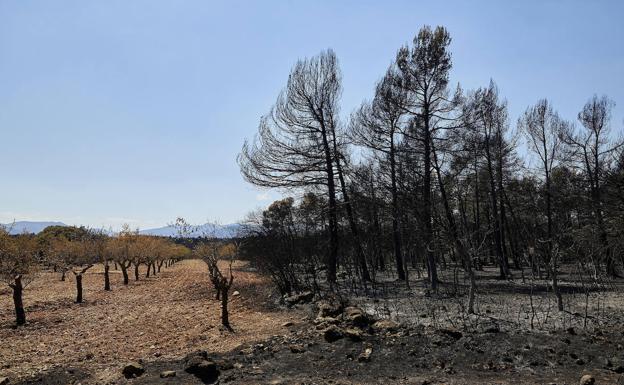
{"x":18,"y":267}
{"x":120,"y":246}
{"x":211,"y":253}
{"x":82,"y":261}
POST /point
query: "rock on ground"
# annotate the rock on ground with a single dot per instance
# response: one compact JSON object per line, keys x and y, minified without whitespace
{"x":587,"y":380}
{"x":168,"y":374}
{"x":133,"y":370}
{"x":201,"y":367}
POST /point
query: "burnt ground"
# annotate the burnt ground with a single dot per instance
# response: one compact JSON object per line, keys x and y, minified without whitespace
{"x":401,"y":355}
{"x":289,"y":346}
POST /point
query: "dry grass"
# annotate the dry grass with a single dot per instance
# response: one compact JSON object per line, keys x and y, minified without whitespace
{"x":164,"y":316}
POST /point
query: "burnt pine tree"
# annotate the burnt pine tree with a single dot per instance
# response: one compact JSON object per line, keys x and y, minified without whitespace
{"x":542,"y":127}
{"x":294,"y":146}
{"x":376,"y":126}
{"x":489,"y":117}
{"x":591,"y":147}
{"x":423,"y":72}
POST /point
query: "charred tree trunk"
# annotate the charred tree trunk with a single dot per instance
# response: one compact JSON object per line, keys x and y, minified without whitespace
{"x":79,"y":288}
{"x":427,"y":205}
{"x":136,"y":271}
{"x":124,"y":272}
{"x":107,"y":285}
{"x":359,"y":252}
{"x":332,"y":256}
{"x":225,"y":315}
{"x":79,"y":282}
{"x":18,"y":291}
{"x":459,"y":245}
{"x":504,"y":269}
{"x":396,"y":230}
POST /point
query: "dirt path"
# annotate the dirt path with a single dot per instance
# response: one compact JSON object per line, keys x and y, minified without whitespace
{"x":156,"y":318}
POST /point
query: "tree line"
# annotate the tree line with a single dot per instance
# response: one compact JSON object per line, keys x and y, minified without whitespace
{"x":424,"y":175}
{"x":75,"y":250}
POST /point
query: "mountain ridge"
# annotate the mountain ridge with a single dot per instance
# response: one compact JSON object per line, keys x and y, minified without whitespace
{"x":30,"y":227}
{"x":207,"y":229}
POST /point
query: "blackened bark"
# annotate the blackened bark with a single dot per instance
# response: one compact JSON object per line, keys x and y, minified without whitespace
{"x":396,"y":231}
{"x":18,"y":290}
{"x":79,"y":288}
{"x":124,"y":272}
{"x":427,"y":203}
{"x":332,"y":256}
{"x":504,"y":269}
{"x":107,"y":286}
{"x":359,"y":252}
{"x":225,"y":316}
{"x":136,"y":271}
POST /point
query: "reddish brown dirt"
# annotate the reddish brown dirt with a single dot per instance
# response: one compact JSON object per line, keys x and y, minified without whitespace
{"x":164,"y":316}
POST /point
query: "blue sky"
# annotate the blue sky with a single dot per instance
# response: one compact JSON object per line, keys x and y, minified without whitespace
{"x":134,"y":111}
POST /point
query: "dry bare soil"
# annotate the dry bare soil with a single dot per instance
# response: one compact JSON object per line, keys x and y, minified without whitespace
{"x":159,"y":317}
{"x":164,"y":322}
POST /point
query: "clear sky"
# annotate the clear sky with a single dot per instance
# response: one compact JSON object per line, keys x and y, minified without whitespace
{"x":133,"y":111}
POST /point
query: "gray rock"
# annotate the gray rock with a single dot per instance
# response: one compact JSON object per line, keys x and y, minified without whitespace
{"x":329,"y":309}
{"x":303,"y":297}
{"x":365,"y":355}
{"x":325,"y":320}
{"x":386,"y":325}
{"x":353,"y":334}
{"x":168,"y":374}
{"x":356,"y":316}
{"x":333,"y":334}
{"x":4,"y":380}
{"x":133,"y":370}
{"x":587,"y":380}
{"x":202,"y":368}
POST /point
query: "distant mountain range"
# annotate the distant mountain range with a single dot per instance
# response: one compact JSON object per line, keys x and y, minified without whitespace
{"x":218,"y":231}
{"x":22,"y":227}
{"x":208,"y":230}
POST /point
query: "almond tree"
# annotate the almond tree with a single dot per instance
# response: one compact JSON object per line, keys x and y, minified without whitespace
{"x":137,"y":253}
{"x":121,"y":248}
{"x":18,"y":267}
{"x":59,"y":254}
{"x":212,"y":253}
{"x":82,"y":260}
{"x":77,"y":258}
{"x":99,"y":246}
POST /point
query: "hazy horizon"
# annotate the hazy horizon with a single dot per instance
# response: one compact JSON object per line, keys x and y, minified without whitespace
{"x":134,"y":112}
